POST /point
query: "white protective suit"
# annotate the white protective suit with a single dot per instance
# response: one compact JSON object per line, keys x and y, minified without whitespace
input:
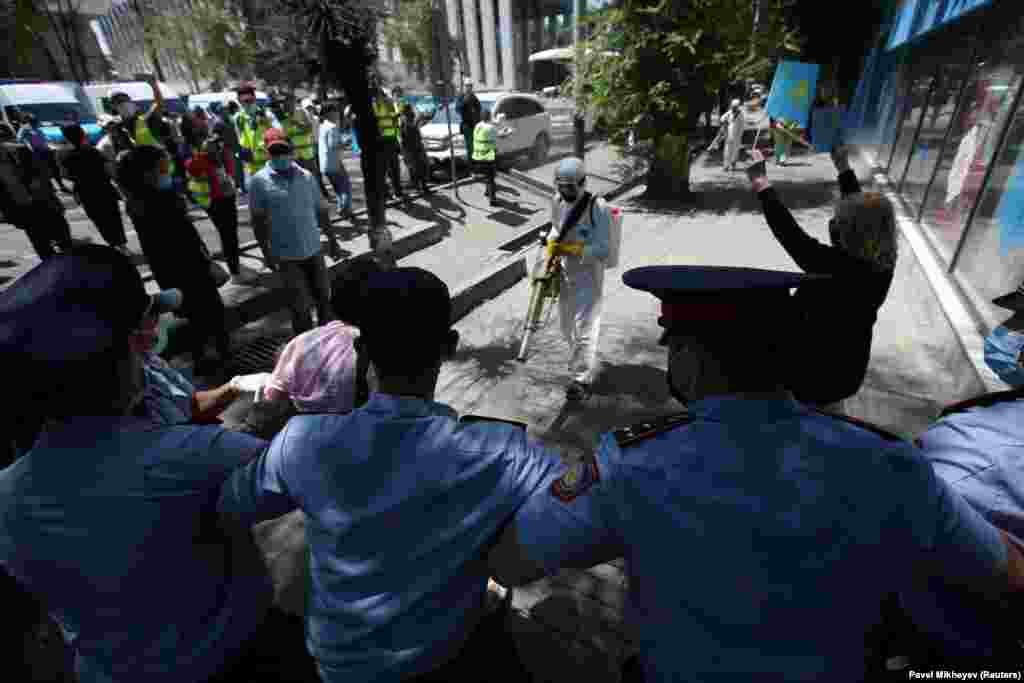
{"x":582,"y":287}
{"x":735,"y":124}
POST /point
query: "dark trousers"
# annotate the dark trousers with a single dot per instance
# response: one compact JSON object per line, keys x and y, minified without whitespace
{"x":488,"y":169}
{"x":389,"y":157}
{"x":239,"y":172}
{"x":309,"y":284}
{"x":467,"y":132}
{"x":204,"y":308}
{"x":223,"y":211}
{"x":102,"y":209}
{"x":46,"y":227}
{"x":488,"y":655}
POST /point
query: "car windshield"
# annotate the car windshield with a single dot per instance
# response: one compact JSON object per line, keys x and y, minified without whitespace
{"x":441,"y":115}
{"x":52,"y":113}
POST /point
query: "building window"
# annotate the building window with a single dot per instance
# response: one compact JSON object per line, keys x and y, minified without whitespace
{"x":500,"y":40}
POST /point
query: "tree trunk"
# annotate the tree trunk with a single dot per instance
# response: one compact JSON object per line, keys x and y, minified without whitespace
{"x":346,"y":66}
{"x":668,"y":176}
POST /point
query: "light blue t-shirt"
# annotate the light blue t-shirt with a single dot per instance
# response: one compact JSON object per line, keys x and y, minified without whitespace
{"x":112,"y":521}
{"x":168,"y":395}
{"x":759,"y":538}
{"x":401,"y":500}
{"x":291,"y":201}
{"x":329,"y":144}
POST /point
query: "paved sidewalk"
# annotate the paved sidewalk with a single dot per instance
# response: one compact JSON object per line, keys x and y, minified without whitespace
{"x":571,"y":626}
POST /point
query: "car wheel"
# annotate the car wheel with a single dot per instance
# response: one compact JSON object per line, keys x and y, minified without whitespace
{"x":539,"y":152}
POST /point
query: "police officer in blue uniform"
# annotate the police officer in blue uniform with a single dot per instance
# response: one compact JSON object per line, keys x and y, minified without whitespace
{"x":759,"y":535}
{"x":402,"y":502}
{"x":974,"y":447}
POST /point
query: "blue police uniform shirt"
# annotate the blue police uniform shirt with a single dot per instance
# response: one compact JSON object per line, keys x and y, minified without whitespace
{"x":977,"y":453}
{"x":291,"y":201}
{"x":761,"y":537}
{"x":401,"y":500}
{"x":107,"y":518}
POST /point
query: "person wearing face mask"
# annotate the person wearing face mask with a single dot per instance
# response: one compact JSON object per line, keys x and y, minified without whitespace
{"x":584,"y":223}
{"x":288,"y":217}
{"x":140,"y":129}
{"x":94,"y":190}
{"x":174,"y":251}
{"x":212,"y":185}
{"x":252,"y":122}
{"x":109,"y":519}
{"x":749,"y":521}
{"x":831,"y":358}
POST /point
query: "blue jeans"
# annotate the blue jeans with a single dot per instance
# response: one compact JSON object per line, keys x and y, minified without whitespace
{"x":342,"y":187}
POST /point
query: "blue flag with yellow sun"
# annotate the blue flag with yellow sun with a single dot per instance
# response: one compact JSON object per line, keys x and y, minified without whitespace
{"x":793,"y":92}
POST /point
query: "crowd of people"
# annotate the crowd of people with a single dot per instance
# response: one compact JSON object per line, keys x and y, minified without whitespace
{"x":765,"y":533}
{"x":162,"y":166}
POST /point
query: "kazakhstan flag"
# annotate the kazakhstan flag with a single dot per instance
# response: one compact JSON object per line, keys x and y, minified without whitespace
{"x":793,"y":92}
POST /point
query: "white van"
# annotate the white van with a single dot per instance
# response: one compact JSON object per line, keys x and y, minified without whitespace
{"x":53,"y":103}
{"x":141,"y":94}
{"x":205,"y":99}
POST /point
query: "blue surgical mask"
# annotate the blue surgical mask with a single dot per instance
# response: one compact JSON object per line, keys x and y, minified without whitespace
{"x":165,"y":182}
{"x":280,"y":163}
{"x":1002,"y":351}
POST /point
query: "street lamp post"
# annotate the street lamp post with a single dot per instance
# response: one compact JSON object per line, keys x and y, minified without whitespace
{"x":578,"y":119}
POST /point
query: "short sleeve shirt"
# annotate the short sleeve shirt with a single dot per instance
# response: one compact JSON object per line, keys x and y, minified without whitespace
{"x":401,"y":501}
{"x":291,"y":201}
{"x":114,"y":521}
{"x":747,"y":531}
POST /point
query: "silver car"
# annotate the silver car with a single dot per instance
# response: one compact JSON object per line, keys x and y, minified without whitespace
{"x":524,"y":127}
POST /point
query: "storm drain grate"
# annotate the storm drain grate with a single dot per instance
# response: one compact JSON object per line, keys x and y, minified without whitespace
{"x":259,"y":355}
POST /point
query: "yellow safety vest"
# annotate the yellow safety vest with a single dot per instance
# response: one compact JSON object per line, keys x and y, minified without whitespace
{"x":485,"y":142}
{"x":387,"y":119}
{"x":251,"y":138}
{"x":301,"y":136}
{"x":144,"y":136}
{"x":200,"y":187}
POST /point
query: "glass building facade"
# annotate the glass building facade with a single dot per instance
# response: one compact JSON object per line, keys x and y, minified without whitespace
{"x":939,"y":110}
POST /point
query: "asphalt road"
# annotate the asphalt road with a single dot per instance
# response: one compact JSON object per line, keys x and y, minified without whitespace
{"x":16,"y":253}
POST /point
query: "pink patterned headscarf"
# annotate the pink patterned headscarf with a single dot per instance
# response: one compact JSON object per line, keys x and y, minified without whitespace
{"x":317,"y":370}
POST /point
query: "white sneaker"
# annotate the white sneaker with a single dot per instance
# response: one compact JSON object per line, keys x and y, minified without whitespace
{"x":245,"y":276}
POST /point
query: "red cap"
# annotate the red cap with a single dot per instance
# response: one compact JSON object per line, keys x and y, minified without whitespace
{"x":275,"y":136}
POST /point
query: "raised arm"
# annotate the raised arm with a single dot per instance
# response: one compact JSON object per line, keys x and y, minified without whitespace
{"x":810,"y":254}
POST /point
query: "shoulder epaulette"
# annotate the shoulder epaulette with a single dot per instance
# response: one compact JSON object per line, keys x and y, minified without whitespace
{"x":468,"y":419}
{"x":627,"y":436}
{"x":984,"y":401}
{"x":875,"y":429}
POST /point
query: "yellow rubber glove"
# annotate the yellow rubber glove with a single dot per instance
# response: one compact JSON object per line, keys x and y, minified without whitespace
{"x":551,"y":250}
{"x":571,"y":248}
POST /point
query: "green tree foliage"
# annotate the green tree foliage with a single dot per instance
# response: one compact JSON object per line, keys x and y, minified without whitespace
{"x":210,"y":40}
{"x":411,"y":30}
{"x":654,"y":65}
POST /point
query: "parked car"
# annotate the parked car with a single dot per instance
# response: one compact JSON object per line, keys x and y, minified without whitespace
{"x":524,"y":127}
{"x":205,"y":99}
{"x":53,"y":103}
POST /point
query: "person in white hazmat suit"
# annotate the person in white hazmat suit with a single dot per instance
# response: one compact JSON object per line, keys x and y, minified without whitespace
{"x":734,"y":124}
{"x":584,"y":250}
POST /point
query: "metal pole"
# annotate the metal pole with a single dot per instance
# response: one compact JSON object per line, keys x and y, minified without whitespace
{"x":578,"y":120}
